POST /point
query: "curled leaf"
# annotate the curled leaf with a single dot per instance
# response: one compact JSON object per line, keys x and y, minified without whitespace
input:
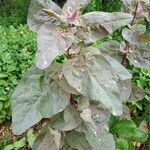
{"x":36,"y":17}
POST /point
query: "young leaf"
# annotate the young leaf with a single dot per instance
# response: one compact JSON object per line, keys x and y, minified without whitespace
{"x":109,"y":21}
{"x":31,"y":137}
{"x":121,"y":144}
{"x":52,"y":42}
{"x":93,"y":77}
{"x":97,"y":137}
{"x":77,"y":140}
{"x":36,"y":17}
{"x":71,"y":7}
{"x":68,"y":121}
{"x":36,"y":97}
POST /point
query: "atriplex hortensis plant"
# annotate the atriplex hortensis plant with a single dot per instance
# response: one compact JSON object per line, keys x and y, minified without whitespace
{"x":79,"y":95}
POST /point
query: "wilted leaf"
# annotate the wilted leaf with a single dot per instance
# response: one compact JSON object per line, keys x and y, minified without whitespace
{"x":136,"y":94}
{"x":109,"y":21}
{"x":77,"y":140}
{"x":36,"y":97}
{"x":36,"y":17}
{"x":69,"y":120}
{"x":52,"y":41}
{"x":97,"y":137}
{"x":92,"y":76}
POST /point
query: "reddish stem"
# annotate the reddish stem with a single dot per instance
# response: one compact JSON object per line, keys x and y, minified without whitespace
{"x":125,"y":53}
{"x":135,"y":13}
{"x":72,"y":100}
{"x":127,"y":43}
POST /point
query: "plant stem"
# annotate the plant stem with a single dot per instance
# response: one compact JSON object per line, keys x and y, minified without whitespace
{"x":72,"y":101}
{"x":124,"y":56}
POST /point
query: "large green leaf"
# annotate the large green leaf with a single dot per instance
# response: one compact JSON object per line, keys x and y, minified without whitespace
{"x":36,"y":97}
{"x":52,"y":41}
{"x":124,"y":128}
{"x":139,"y":135}
{"x":109,"y":21}
{"x":77,"y":140}
{"x":92,"y":76}
{"x":98,"y":138}
{"x":68,"y":120}
{"x":36,"y":17}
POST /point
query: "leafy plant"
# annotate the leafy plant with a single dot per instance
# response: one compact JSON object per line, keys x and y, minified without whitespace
{"x":11,"y":142}
{"x":79,"y":94}
{"x":13,"y":12}
{"x":17,"y":51}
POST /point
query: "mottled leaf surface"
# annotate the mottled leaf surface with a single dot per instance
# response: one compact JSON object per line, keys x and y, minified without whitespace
{"x":52,"y":41}
{"x":36,"y":97}
{"x":93,"y":76}
{"x":97,"y":138}
{"x":109,"y":21}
